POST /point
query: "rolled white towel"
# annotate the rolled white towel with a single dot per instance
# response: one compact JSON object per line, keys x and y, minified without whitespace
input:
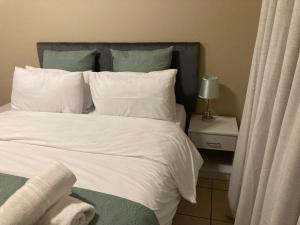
{"x":37,"y":195}
{"x":68,"y":211}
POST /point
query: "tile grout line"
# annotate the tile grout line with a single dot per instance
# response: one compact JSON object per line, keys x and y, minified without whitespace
{"x":212,"y":189}
{"x":223,"y":221}
{"x":211,"y":202}
{"x":219,"y":189}
{"x":199,"y":217}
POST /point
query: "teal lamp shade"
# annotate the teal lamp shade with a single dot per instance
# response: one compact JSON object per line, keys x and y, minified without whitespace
{"x":209,"y":88}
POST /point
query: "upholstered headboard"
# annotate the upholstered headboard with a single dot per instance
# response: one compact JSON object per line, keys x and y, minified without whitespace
{"x":185,"y":59}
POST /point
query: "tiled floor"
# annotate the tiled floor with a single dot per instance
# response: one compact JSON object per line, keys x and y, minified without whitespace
{"x":211,"y":205}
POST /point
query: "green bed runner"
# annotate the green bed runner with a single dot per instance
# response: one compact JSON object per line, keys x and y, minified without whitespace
{"x":110,"y":210}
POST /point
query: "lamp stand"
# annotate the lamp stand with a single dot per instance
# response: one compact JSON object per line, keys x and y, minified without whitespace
{"x":207,"y":115}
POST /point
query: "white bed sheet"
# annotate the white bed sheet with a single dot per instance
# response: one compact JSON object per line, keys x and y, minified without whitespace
{"x":180,"y":114}
{"x":147,"y":161}
{"x":180,"y":118}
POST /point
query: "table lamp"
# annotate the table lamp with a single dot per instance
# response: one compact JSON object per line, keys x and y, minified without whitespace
{"x":209,"y":89}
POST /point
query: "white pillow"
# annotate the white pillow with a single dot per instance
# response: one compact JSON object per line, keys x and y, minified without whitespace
{"x":149,"y":95}
{"x":88,"y":102}
{"x":47,"y":91}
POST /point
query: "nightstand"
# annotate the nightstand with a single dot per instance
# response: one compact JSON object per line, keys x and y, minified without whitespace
{"x":216,"y":141}
{"x":217,"y":134}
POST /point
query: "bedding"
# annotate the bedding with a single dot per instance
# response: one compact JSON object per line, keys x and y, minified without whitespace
{"x":88,"y":102}
{"x":185,"y":58}
{"x":30,"y":202}
{"x":148,"y":95}
{"x":110,"y":210}
{"x":180,"y":114}
{"x":73,"y":61}
{"x":147,"y":161}
{"x":180,"y":118}
{"x":142,"y":60}
{"x":47,"y":91}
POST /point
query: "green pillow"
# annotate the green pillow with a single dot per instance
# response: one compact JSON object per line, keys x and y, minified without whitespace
{"x":142,"y":60}
{"x":69,"y":60}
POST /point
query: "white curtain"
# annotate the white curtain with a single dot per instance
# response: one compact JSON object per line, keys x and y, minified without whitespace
{"x":265,"y":183}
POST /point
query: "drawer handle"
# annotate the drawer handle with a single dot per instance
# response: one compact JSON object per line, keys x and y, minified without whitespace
{"x":214,"y":145}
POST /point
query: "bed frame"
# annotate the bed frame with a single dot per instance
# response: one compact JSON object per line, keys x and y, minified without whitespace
{"x":185,"y":59}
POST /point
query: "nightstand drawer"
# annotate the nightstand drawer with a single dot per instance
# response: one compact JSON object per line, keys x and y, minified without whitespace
{"x":216,"y":142}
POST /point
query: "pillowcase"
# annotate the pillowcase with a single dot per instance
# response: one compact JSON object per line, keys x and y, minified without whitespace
{"x":46,"y":91}
{"x":88,"y":102}
{"x":142,"y":60}
{"x":148,"y":95}
{"x":69,"y":60}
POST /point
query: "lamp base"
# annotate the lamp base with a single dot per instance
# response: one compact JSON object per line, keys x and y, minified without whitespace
{"x":207,"y":116}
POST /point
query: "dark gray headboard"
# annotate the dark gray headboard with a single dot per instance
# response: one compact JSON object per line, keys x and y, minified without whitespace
{"x":185,"y":59}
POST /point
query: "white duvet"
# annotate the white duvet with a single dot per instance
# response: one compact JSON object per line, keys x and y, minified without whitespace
{"x":144,"y":160}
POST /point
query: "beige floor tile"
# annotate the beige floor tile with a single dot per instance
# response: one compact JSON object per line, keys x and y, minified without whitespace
{"x":213,"y":222}
{"x":204,"y":182}
{"x":220,"y":205}
{"x":201,"y":209}
{"x":220,"y":184}
{"x":189,"y":220}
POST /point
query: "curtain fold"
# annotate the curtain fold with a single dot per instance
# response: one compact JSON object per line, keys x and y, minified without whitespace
{"x":265,"y":182}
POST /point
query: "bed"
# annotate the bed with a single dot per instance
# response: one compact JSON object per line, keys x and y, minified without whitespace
{"x":150,"y":162}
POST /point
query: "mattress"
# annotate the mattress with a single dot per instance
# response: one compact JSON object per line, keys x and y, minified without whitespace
{"x":151,"y":162}
{"x":180,"y":114}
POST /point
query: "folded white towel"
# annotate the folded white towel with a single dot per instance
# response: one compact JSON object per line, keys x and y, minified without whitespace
{"x":37,"y":195}
{"x":68,"y":211}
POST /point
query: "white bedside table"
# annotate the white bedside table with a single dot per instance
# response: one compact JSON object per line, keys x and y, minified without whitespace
{"x":216,"y":141}
{"x":218,"y":134}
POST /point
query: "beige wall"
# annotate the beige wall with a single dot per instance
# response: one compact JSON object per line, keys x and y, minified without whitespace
{"x":226,"y":29}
